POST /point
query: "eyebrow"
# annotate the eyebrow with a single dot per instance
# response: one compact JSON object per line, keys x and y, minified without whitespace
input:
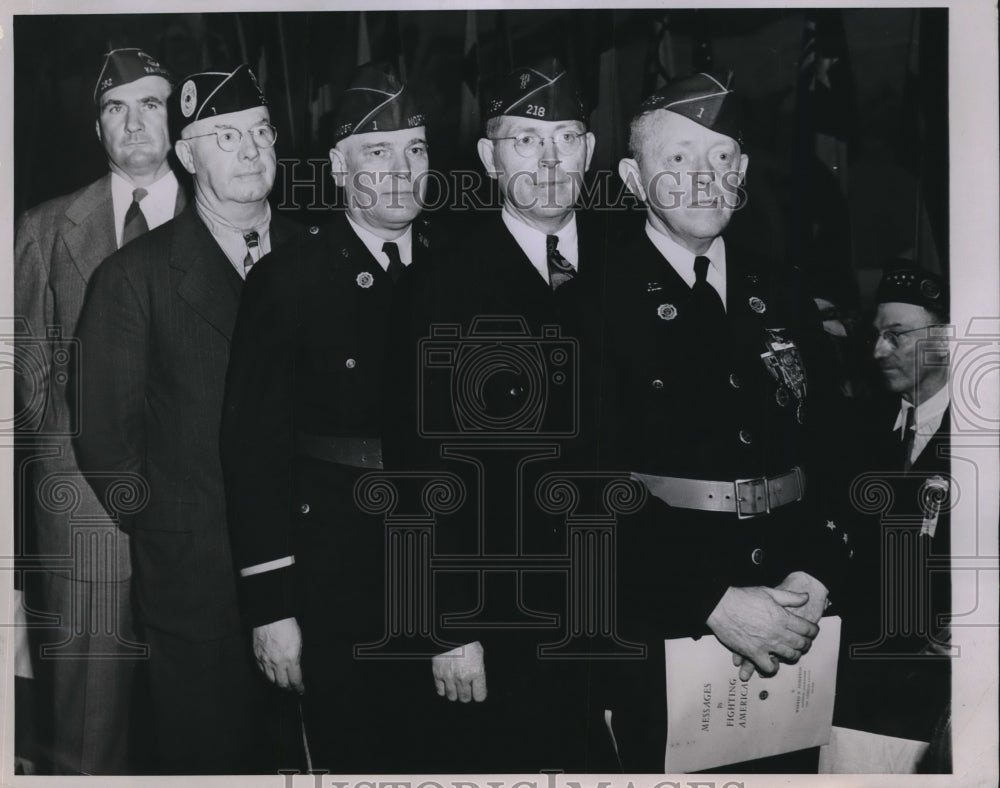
{"x":120,"y":103}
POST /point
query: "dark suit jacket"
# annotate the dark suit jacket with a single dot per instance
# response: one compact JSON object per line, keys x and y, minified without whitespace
{"x":58,"y":246}
{"x":894,"y":672}
{"x":155,"y":334}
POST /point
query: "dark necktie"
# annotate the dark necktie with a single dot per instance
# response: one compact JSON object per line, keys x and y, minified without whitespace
{"x":135,"y":221}
{"x":906,"y":439}
{"x":396,"y":267}
{"x":706,"y":297}
{"x":253,"y":243}
{"x":560,"y":270}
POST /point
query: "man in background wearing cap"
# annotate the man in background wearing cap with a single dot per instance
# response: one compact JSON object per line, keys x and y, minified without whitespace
{"x":58,"y":246}
{"x":304,"y":421}
{"x":155,"y":331}
{"x":894,"y":682}
{"x":515,"y":712}
{"x":714,"y":375}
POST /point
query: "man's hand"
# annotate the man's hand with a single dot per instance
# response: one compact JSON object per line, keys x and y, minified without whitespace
{"x":278,"y":649}
{"x":753,"y":622}
{"x":804,"y":583}
{"x":461,"y":673}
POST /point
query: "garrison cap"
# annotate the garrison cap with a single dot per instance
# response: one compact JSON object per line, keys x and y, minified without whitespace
{"x":706,"y":98}
{"x":122,"y":66}
{"x":376,"y":100}
{"x":544,"y":90}
{"x":212,"y":93}
{"x":905,"y":283}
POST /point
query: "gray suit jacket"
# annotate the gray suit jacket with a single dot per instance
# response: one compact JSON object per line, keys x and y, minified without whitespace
{"x":58,"y":245}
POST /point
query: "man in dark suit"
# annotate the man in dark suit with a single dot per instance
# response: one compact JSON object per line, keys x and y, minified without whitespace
{"x":508,"y":284}
{"x":713,"y":381}
{"x":155,"y":334}
{"x":303,"y":423}
{"x":894,"y":687}
{"x":87,"y":677}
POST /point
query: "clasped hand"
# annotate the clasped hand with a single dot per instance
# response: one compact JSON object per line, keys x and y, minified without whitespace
{"x":460,"y":674}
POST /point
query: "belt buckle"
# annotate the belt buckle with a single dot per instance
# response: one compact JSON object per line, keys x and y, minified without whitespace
{"x":755,"y":484}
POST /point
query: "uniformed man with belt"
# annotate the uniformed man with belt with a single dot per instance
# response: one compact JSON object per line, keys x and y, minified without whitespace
{"x":711,"y":385}
{"x":303,"y":422}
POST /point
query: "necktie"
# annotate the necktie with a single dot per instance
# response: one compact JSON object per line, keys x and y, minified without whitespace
{"x":706,"y":297}
{"x":560,"y":271}
{"x":396,"y":266}
{"x":135,"y":221}
{"x":253,"y":243}
{"x":906,"y":440}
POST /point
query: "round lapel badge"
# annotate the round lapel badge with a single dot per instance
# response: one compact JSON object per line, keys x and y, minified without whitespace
{"x":757,"y":305}
{"x":365,"y":280}
{"x":666,"y":311}
{"x":781,"y":396}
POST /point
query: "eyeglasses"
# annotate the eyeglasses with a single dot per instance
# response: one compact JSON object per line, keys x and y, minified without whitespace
{"x":892,"y":337}
{"x":264,"y":136}
{"x":528,"y":145}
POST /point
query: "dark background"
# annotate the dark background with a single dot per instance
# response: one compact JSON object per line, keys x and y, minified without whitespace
{"x":869,"y":84}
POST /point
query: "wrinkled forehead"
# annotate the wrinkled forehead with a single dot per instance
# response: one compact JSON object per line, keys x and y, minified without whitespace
{"x":663,"y":127}
{"x":145,"y":87}
{"x":512,"y":125}
{"x":242,"y":120}
{"x":371,"y":140}
{"x":894,"y":314}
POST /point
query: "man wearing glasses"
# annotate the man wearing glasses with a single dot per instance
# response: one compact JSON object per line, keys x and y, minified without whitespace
{"x":892,"y":712}
{"x":303,"y":423}
{"x":155,"y":333}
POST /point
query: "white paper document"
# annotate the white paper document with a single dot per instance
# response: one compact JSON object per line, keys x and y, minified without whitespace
{"x":714,"y":719}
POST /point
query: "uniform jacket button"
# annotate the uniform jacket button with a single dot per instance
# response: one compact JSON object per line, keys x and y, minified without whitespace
{"x":734,"y":380}
{"x":314,"y":230}
{"x":304,"y":508}
{"x":746,"y":437}
{"x":657,"y":384}
{"x":757,"y":556}
{"x":350,"y":363}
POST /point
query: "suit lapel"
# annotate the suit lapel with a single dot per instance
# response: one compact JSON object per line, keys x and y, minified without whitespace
{"x":91,"y":236}
{"x":209,"y":284}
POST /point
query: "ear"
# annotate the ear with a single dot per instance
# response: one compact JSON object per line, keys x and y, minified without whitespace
{"x":97,"y":129}
{"x":183,"y":150}
{"x":591,"y":142}
{"x":744,"y":163}
{"x":338,"y":166}
{"x":628,"y":171}
{"x":486,"y":155}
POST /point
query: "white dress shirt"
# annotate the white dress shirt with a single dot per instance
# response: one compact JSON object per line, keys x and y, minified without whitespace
{"x":230,"y":238}
{"x":374,"y":244}
{"x":682,"y":261}
{"x":157,"y":206}
{"x":532,"y":242}
{"x":926,"y":420}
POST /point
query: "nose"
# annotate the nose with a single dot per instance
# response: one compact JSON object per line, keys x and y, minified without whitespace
{"x":550,"y":155}
{"x":401,"y":166}
{"x":133,"y":120}
{"x":248,"y":146}
{"x":882,"y":347}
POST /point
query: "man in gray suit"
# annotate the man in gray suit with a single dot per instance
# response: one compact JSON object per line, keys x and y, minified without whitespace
{"x":88,"y":661}
{"x":155,"y":333}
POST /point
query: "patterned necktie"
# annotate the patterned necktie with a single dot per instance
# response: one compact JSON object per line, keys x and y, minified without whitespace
{"x":253,"y":243}
{"x":906,"y":439}
{"x":560,"y":270}
{"x":396,"y":267}
{"x":135,"y":221}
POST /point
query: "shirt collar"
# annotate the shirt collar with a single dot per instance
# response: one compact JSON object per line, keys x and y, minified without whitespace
{"x":930,"y":409}
{"x":230,"y":238}
{"x":533,"y":241}
{"x":682,"y":260}
{"x":374,"y":244}
{"x":157,"y":206}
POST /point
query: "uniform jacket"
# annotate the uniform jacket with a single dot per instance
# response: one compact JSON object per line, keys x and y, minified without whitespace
{"x":308,"y":357}
{"x":58,"y":246}
{"x":155,"y":334}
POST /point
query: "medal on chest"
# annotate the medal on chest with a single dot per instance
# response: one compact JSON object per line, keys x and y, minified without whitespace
{"x":784,"y":361}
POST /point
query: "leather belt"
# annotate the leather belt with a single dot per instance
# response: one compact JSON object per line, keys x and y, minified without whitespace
{"x":355,"y":452}
{"x":745,"y":497}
